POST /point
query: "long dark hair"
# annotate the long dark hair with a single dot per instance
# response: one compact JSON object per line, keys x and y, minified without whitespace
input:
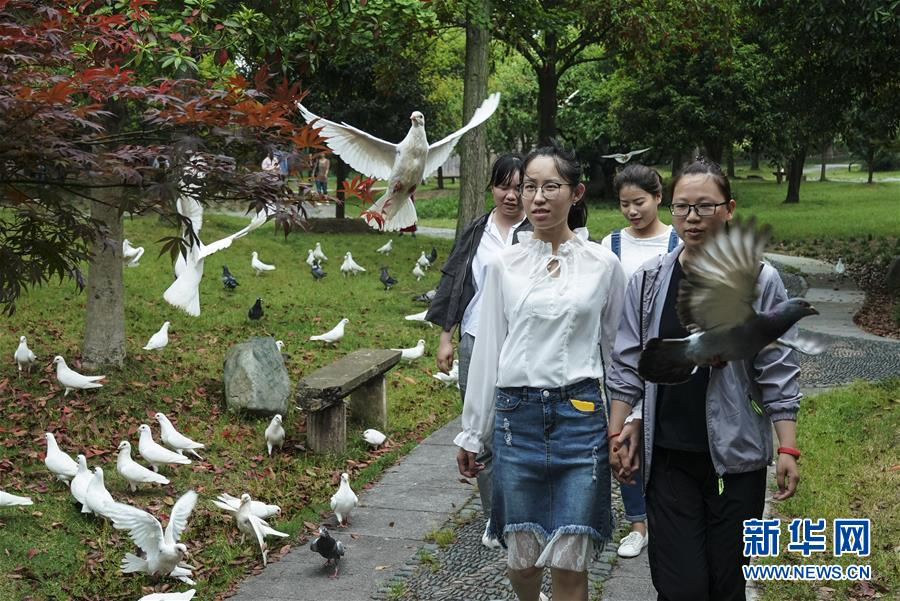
{"x":570,"y":170}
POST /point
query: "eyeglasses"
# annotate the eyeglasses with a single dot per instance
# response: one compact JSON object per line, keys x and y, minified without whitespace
{"x":550,"y":190}
{"x":704,"y":209}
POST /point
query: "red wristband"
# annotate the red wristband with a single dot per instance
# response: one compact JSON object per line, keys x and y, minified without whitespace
{"x":790,"y":451}
{"x":613,"y":435}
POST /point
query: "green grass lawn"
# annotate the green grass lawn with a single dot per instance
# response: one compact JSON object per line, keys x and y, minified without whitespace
{"x":849,"y":439}
{"x":51,"y":551}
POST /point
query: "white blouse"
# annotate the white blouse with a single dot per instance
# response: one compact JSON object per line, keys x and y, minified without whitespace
{"x":540,"y":328}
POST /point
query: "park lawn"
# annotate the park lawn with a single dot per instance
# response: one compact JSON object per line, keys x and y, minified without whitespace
{"x":849,"y":439}
{"x":51,"y":551}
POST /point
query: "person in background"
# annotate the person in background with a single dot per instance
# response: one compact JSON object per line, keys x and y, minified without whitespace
{"x":270,"y":163}
{"x":639,"y":189}
{"x":458,"y":297}
{"x":547,"y":322}
{"x":320,"y":174}
{"x":703,"y":445}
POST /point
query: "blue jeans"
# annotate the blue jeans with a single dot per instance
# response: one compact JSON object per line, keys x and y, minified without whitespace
{"x":633,"y":498}
{"x":551,"y":462}
{"x":321,"y":187}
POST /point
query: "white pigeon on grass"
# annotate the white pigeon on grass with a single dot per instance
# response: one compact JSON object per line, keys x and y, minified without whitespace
{"x":159,"y":339}
{"x":386,"y":248}
{"x":23,"y":356}
{"x":97,"y":499}
{"x":154,"y":453}
{"x":450,"y":378}
{"x":72,"y":380}
{"x":310,"y":257}
{"x":58,"y":462}
{"x":343,"y":501}
{"x":257,"y":508}
{"x":374,"y":437}
{"x":79,"y":484}
{"x":133,"y":472}
{"x":417,"y":271}
{"x":333,"y":335}
{"x":274,"y":434}
{"x":258,"y":266}
{"x":411,"y":354}
{"x":423,"y":261}
{"x":184,"y":292}
{"x":10,"y":500}
{"x":402,"y":165}
{"x":174,"y":439}
{"x":250,"y":525}
{"x":279,"y":344}
{"x":185,"y":596}
{"x":130,"y":254}
{"x":420,"y":317}
{"x":349,"y":266}
{"x":318,"y":254}
{"x":162,"y":553}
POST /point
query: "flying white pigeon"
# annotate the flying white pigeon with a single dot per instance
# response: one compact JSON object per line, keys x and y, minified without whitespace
{"x":350,"y":266}
{"x":624,"y":158}
{"x":451,"y":378}
{"x":72,"y":380}
{"x":413,"y":353}
{"x":23,"y":355}
{"x":417,"y":271}
{"x":133,"y":472}
{"x":257,"y":508}
{"x":274,"y":434}
{"x":334,"y":334}
{"x":57,"y":461}
{"x":10,"y":500}
{"x":156,"y":454}
{"x":419,"y":317}
{"x":130,"y":254}
{"x":185,"y":596}
{"x":374,"y":437}
{"x":258,"y":266}
{"x":318,"y":254}
{"x":403,"y":165}
{"x":423,"y":261}
{"x":97,"y":499}
{"x":160,"y":339}
{"x":386,"y":248}
{"x":174,"y":439}
{"x":310,"y":257}
{"x":343,"y":501}
{"x":79,"y":484}
{"x":161,"y":549}
{"x":184,"y":292}
{"x":250,"y":524}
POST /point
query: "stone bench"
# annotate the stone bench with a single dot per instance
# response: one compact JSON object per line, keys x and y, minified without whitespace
{"x":324,"y":393}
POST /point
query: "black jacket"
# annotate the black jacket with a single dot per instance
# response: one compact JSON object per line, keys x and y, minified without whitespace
{"x":456,"y":288}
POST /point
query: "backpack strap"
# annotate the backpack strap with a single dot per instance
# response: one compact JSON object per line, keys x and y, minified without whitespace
{"x":616,"y":243}
{"x":673,"y":240}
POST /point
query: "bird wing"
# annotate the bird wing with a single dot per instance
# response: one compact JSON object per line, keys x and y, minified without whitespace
{"x":180,"y":514}
{"x":806,"y":343}
{"x":144,"y":529}
{"x":226,"y":505}
{"x":719,"y":284}
{"x":440,"y":151}
{"x":190,"y":207}
{"x":257,"y":221}
{"x":364,"y":152}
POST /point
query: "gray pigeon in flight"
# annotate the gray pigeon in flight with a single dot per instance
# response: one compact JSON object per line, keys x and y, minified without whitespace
{"x":715,"y":304}
{"x":402,"y":165}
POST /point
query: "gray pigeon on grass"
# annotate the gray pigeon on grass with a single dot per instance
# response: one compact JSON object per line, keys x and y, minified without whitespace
{"x":715,"y":304}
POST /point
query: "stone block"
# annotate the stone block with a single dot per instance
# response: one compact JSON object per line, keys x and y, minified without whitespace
{"x":255,"y":378}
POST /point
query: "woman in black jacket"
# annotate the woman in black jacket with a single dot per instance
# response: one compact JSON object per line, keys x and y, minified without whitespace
{"x":457,"y":299}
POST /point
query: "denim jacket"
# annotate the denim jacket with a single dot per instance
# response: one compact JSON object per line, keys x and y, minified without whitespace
{"x":742,"y":399}
{"x":456,"y":288}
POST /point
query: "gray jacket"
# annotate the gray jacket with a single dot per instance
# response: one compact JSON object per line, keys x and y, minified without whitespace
{"x":742,"y":399}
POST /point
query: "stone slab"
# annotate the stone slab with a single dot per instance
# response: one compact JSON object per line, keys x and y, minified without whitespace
{"x":330,"y":384}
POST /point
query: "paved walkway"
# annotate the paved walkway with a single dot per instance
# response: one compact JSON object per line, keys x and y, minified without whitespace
{"x":388,"y":557}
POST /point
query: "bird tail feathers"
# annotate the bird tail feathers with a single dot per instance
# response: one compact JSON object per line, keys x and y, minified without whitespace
{"x":665,"y":361}
{"x":133,"y":563}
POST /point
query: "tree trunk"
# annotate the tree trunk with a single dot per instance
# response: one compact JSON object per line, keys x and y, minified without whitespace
{"x":795,"y":176}
{"x":825,"y":147}
{"x":341,"y":173}
{"x":440,"y":178}
{"x":104,"y":322}
{"x":729,"y":159}
{"x":677,"y":159}
{"x":473,"y":154}
{"x":714,"y":150}
{"x":547,"y":85}
{"x":870,"y":160}
{"x":754,"y":160}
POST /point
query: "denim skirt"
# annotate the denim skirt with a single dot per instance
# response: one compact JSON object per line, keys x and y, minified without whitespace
{"x":551,"y":462}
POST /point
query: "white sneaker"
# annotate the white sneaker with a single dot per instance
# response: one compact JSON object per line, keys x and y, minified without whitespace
{"x":487,"y":539}
{"x":633,"y":544}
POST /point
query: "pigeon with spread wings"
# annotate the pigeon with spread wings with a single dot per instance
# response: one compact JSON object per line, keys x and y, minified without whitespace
{"x":715,"y":304}
{"x":402,"y":165}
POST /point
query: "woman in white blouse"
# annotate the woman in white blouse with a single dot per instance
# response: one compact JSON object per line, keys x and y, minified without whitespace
{"x":549,"y":314}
